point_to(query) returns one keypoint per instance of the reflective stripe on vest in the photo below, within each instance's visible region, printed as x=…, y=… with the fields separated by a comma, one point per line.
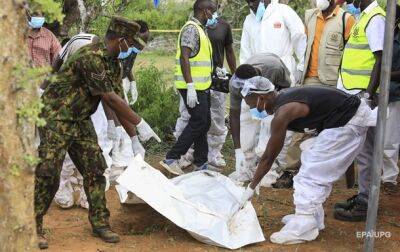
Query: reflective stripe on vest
x=358, y=59
x=200, y=65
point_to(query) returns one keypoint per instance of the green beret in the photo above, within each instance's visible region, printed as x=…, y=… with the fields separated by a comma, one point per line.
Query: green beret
x=124, y=27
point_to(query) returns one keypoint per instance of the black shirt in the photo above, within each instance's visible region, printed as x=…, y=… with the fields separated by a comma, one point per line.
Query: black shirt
x=329, y=107
x=220, y=37
x=394, y=91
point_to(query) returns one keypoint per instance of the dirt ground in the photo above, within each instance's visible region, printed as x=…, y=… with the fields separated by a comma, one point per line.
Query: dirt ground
x=143, y=229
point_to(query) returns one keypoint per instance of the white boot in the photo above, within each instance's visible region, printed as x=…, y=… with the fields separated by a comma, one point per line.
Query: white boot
x=298, y=229
x=270, y=178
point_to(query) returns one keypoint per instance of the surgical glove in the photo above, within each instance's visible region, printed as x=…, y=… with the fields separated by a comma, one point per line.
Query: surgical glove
x=126, y=84
x=246, y=196
x=137, y=146
x=146, y=132
x=221, y=72
x=111, y=130
x=134, y=92
x=298, y=76
x=240, y=159
x=191, y=96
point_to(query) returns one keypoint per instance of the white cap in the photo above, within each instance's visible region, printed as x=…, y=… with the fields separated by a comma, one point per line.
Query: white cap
x=257, y=85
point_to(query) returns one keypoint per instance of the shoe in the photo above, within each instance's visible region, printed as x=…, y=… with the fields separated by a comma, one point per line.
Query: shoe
x=356, y=212
x=204, y=166
x=270, y=178
x=172, y=166
x=42, y=241
x=298, y=229
x=285, y=181
x=389, y=188
x=106, y=235
x=349, y=203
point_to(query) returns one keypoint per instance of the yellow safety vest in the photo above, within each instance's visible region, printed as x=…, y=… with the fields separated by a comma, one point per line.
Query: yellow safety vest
x=358, y=59
x=200, y=65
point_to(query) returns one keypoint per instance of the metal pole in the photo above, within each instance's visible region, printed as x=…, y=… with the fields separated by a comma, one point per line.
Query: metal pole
x=381, y=126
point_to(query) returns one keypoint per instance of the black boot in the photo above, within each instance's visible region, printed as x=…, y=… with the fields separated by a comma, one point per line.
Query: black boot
x=285, y=181
x=349, y=203
x=356, y=211
x=106, y=235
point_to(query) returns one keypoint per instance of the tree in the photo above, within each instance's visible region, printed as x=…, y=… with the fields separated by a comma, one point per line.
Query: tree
x=16, y=137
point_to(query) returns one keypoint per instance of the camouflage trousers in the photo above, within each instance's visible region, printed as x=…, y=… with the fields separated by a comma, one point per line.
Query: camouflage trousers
x=80, y=141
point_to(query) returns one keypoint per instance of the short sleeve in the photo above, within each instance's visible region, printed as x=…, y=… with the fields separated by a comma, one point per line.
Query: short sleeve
x=94, y=74
x=235, y=98
x=189, y=37
x=375, y=33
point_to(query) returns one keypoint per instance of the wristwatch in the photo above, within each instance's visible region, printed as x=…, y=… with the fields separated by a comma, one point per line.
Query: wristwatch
x=366, y=95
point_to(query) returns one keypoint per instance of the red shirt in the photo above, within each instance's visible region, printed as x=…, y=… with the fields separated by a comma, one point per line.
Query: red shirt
x=43, y=47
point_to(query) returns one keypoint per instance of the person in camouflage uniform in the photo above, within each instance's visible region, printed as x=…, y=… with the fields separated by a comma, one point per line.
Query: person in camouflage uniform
x=91, y=75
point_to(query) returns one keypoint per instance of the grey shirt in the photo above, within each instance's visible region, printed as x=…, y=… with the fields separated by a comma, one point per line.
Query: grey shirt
x=190, y=37
x=271, y=67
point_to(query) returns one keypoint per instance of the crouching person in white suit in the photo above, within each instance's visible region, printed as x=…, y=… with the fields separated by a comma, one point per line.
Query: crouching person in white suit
x=342, y=121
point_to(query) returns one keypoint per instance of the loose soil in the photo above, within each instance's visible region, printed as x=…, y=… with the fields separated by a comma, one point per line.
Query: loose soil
x=143, y=229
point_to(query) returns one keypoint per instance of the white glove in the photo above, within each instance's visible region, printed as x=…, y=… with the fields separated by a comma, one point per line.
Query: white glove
x=240, y=159
x=134, y=92
x=146, y=132
x=298, y=76
x=137, y=147
x=191, y=96
x=246, y=196
x=126, y=84
x=221, y=72
x=111, y=130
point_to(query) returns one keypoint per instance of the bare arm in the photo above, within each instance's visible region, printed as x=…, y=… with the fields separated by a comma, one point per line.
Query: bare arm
x=234, y=121
x=230, y=58
x=185, y=65
x=376, y=74
x=282, y=118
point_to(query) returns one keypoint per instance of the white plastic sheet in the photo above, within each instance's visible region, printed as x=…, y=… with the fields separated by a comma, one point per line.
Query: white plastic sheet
x=204, y=203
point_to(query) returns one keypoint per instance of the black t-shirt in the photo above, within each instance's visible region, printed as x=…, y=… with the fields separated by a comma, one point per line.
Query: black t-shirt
x=220, y=36
x=329, y=107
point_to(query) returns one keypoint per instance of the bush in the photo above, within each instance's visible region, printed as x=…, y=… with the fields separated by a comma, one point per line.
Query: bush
x=158, y=102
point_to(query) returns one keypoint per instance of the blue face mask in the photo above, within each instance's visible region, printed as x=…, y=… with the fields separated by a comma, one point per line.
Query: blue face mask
x=36, y=22
x=257, y=115
x=213, y=20
x=124, y=55
x=260, y=11
x=353, y=10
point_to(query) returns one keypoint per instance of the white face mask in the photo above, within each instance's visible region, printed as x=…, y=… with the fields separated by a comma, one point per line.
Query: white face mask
x=323, y=4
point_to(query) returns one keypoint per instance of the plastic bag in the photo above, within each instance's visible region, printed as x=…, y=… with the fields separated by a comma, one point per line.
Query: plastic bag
x=204, y=203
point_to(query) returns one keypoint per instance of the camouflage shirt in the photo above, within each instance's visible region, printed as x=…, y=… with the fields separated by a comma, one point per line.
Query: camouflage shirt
x=73, y=94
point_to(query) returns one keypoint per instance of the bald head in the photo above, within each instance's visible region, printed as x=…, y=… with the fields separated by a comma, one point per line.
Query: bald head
x=201, y=5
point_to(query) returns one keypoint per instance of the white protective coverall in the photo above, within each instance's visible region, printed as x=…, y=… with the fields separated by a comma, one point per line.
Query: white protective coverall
x=216, y=134
x=321, y=165
x=280, y=32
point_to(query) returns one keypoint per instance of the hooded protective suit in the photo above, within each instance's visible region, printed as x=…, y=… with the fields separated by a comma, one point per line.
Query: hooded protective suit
x=280, y=31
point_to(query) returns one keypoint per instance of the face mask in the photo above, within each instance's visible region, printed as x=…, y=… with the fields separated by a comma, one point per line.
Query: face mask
x=124, y=55
x=353, y=10
x=257, y=115
x=260, y=11
x=213, y=21
x=36, y=22
x=323, y=4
